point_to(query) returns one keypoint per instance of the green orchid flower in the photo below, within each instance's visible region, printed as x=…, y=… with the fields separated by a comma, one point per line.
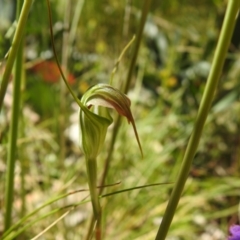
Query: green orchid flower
x=94, y=123
x=93, y=132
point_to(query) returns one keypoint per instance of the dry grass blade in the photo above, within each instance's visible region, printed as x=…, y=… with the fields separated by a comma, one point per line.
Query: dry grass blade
x=51, y=225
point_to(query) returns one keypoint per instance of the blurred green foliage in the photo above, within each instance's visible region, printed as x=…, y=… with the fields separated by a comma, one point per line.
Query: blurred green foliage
x=172, y=67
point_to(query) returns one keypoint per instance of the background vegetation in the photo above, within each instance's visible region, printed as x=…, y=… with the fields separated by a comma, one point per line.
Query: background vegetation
x=169, y=79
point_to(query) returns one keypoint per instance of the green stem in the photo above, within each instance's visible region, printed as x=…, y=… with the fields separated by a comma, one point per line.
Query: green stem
x=74, y=25
x=14, y=48
x=145, y=10
x=58, y=63
x=218, y=60
x=12, y=144
x=105, y=171
x=91, y=165
x=110, y=152
x=62, y=95
x=119, y=59
x=21, y=71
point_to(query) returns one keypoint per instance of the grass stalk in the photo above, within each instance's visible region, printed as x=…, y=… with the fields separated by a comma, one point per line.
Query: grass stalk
x=23, y=156
x=49, y=202
x=214, y=75
x=23, y=162
x=12, y=144
x=14, y=48
x=26, y=223
x=145, y=10
x=68, y=40
x=62, y=95
x=22, y=153
x=74, y=25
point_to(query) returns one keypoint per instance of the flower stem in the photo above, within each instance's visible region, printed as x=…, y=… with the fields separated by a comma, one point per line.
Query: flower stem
x=218, y=60
x=12, y=144
x=91, y=165
x=57, y=61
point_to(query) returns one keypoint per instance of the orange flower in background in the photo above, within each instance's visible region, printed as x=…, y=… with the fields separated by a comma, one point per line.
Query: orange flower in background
x=49, y=72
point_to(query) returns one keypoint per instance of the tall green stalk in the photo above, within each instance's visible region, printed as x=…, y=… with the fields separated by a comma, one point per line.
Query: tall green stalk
x=14, y=48
x=218, y=61
x=91, y=165
x=62, y=95
x=145, y=10
x=12, y=144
